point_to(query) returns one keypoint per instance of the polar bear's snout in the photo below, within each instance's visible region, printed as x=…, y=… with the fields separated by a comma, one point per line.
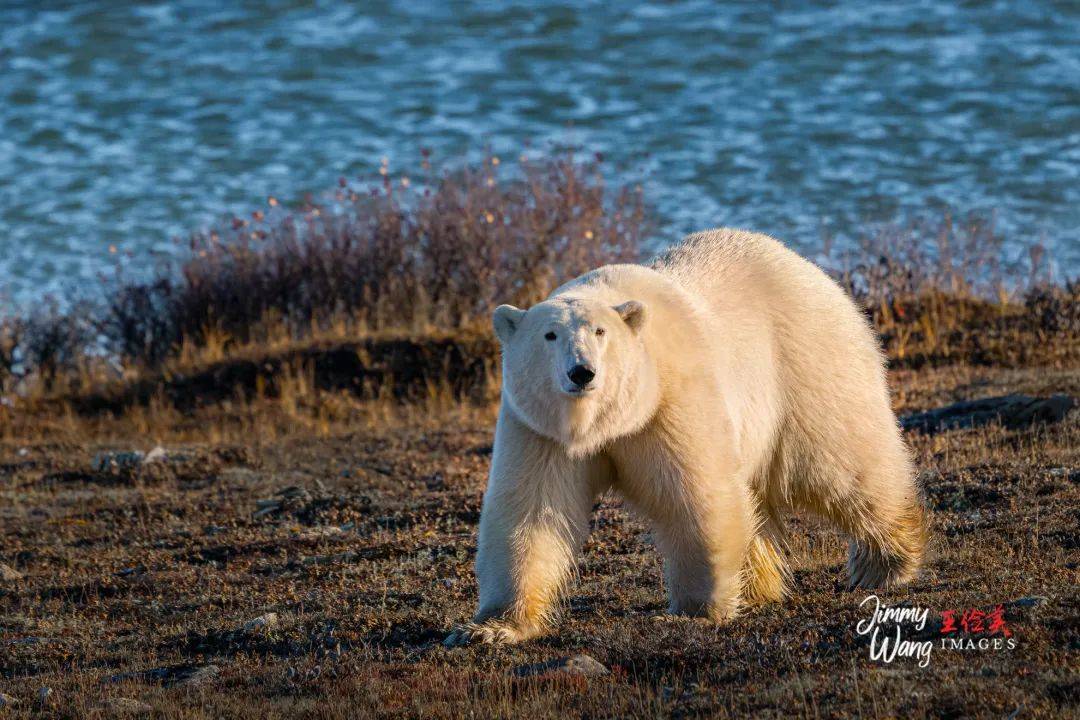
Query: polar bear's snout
x=578, y=369
x=581, y=375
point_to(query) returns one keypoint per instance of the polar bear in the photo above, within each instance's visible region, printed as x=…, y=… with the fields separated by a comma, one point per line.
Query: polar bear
x=722, y=385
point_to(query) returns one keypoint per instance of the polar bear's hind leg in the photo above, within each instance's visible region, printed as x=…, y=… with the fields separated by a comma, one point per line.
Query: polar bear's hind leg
x=766, y=576
x=891, y=554
x=882, y=512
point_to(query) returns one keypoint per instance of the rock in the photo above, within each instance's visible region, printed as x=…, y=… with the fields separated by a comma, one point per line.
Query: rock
x=28, y=640
x=124, y=460
x=266, y=507
x=123, y=707
x=581, y=665
x=44, y=695
x=9, y=574
x=1070, y=474
x=268, y=620
x=7, y=701
x=295, y=491
x=292, y=496
x=115, y=460
x=1012, y=411
x=171, y=675
x=1025, y=608
x=197, y=675
x=1030, y=601
x=158, y=454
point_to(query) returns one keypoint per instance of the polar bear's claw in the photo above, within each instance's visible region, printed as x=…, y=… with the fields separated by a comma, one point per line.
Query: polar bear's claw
x=488, y=633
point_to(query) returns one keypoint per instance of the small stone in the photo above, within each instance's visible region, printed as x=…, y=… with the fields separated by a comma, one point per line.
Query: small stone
x=1030, y=601
x=267, y=506
x=158, y=454
x=123, y=707
x=323, y=531
x=1012, y=411
x=7, y=700
x=116, y=460
x=9, y=574
x=197, y=675
x=268, y=620
x=581, y=665
x=28, y=640
x=1070, y=474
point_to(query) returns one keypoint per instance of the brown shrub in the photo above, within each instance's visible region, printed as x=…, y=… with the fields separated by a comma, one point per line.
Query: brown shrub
x=437, y=253
x=942, y=291
x=52, y=344
x=11, y=337
x=968, y=258
x=420, y=261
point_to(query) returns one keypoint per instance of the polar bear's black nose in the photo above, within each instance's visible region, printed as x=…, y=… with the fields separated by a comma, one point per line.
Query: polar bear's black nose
x=581, y=375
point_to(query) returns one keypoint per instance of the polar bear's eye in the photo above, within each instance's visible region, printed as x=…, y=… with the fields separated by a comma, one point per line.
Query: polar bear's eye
x=550, y=336
x=600, y=332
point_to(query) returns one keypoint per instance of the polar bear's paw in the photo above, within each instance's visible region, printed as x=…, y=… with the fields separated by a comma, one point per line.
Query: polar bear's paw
x=489, y=632
x=715, y=611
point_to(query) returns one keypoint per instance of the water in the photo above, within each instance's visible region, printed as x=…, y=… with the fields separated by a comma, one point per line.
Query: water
x=127, y=124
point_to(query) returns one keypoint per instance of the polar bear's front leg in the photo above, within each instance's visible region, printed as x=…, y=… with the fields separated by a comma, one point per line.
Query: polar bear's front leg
x=702, y=566
x=687, y=487
x=534, y=519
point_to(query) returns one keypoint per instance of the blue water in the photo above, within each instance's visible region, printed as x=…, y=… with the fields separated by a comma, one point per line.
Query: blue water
x=127, y=124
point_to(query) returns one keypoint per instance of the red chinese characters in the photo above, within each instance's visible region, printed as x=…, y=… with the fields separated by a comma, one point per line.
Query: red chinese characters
x=997, y=624
x=975, y=622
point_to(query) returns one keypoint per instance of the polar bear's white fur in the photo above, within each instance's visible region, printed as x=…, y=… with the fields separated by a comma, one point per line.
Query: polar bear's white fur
x=726, y=383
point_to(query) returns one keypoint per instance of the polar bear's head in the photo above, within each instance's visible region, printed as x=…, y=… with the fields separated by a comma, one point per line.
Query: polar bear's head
x=572, y=367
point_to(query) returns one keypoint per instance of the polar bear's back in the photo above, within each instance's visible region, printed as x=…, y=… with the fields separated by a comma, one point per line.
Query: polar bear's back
x=825, y=368
x=740, y=273
x=728, y=259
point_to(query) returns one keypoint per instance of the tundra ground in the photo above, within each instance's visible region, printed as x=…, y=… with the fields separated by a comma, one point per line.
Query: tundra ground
x=355, y=545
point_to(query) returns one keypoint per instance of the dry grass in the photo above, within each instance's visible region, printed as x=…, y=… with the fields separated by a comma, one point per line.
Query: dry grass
x=369, y=563
x=364, y=551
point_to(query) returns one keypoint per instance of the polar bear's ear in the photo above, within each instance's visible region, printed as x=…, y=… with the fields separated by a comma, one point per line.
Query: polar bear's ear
x=633, y=314
x=506, y=319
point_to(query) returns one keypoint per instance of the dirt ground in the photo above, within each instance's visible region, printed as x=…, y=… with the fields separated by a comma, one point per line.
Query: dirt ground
x=317, y=576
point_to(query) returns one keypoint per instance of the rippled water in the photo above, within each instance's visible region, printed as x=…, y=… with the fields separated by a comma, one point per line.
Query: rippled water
x=128, y=123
